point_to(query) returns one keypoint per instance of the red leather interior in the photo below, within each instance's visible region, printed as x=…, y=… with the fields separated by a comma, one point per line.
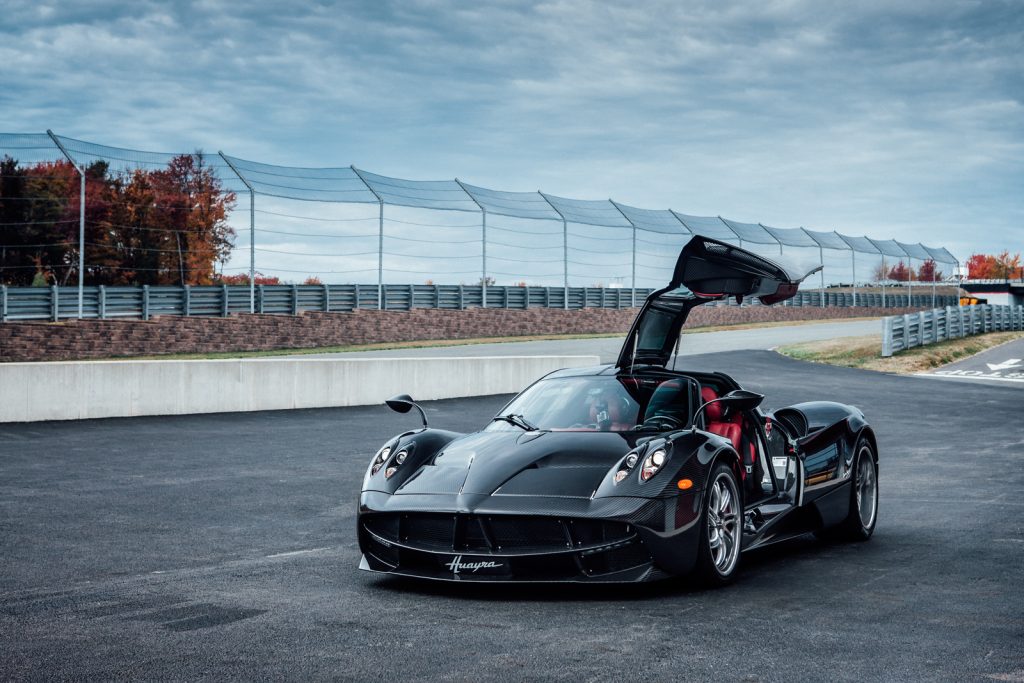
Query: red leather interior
x=718, y=423
x=731, y=427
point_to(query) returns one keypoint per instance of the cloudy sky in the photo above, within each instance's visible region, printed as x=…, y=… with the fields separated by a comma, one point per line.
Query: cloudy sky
x=892, y=119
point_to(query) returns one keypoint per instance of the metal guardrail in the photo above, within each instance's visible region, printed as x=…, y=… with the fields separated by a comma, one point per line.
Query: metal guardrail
x=61, y=303
x=901, y=332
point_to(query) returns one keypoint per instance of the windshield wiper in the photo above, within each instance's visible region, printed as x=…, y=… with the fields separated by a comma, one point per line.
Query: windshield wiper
x=517, y=420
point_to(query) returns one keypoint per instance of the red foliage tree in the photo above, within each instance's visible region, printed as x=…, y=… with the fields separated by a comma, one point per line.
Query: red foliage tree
x=981, y=267
x=899, y=272
x=928, y=273
x=1003, y=266
x=1007, y=265
x=243, y=279
x=165, y=226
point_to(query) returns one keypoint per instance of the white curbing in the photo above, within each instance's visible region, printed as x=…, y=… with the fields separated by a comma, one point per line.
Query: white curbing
x=75, y=390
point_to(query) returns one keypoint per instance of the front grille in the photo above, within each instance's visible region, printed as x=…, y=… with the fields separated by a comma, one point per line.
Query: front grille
x=495, y=534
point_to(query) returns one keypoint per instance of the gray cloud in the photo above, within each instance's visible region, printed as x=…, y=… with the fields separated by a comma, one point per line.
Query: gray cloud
x=901, y=121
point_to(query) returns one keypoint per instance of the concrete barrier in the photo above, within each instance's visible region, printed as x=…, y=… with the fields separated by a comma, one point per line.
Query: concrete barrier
x=75, y=390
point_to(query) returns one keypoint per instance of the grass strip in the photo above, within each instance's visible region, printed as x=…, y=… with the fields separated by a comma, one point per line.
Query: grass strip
x=866, y=352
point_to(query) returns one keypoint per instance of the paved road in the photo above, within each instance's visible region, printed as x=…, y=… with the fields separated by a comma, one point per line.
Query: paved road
x=223, y=547
x=1003, y=365
x=608, y=348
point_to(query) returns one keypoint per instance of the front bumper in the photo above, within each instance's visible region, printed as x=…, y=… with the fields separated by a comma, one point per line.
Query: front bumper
x=541, y=539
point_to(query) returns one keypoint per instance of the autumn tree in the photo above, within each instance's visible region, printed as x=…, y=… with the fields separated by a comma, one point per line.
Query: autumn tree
x=163, y=226
x=1007, y=266
x=38, y=222
x=981, y=267
x=243, y=279
x=928, y=272
x=1003, y=266
x=899, y=272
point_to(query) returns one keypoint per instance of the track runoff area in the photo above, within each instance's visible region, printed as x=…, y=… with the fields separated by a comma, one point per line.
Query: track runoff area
x=223, y=547
x=1003, y=364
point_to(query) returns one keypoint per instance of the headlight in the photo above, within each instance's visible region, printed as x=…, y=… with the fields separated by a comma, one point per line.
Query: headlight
x=627, y=465
x=399, y=459
x=381, y=456
x=652, y=463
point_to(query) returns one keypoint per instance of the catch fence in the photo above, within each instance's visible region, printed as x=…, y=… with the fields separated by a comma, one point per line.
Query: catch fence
x=348, y=225
x=903, y=332
x=143, y=302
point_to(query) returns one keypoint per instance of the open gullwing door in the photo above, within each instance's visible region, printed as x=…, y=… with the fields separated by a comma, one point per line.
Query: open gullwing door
x=706, y=270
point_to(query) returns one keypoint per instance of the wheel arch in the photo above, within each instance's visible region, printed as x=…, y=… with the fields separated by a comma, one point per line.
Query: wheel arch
x=867, y=433
x=728, y=456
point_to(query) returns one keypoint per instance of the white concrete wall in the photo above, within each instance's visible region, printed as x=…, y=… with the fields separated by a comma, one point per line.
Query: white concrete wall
x=75, y=390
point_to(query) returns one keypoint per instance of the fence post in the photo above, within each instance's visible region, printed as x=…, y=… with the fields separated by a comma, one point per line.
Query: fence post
x=145, y=302
x=187, y=303
x=3, y=303
x=887, y=336
x=412, y=295
x=327, y=298
x=462, y=297
x=252, y=232
x=437, y=296
x=81, y=216
x=295, y=299
x=262, y=298
x=526, y=297
x=101, y=302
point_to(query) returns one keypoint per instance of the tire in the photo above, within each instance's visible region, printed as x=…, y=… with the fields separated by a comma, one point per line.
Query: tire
x=721, y=529
x=860, y=522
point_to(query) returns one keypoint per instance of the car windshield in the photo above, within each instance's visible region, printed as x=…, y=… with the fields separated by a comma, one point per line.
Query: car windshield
x=607, y=404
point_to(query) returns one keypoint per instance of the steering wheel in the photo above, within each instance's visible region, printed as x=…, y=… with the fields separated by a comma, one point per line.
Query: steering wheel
x=665, y=422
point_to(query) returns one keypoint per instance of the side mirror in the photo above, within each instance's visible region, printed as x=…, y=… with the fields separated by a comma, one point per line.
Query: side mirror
x=403, y=403
x=738, y=399
x=741, y=399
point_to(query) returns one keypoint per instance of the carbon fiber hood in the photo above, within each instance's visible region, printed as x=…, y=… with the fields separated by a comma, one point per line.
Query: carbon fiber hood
x=568, y=464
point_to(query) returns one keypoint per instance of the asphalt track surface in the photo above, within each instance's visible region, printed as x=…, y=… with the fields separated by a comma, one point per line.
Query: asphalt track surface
x=608, y=347
x=223, y=547
x=1001, y=365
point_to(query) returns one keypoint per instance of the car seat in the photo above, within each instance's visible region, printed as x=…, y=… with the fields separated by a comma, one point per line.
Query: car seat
x=718, y=423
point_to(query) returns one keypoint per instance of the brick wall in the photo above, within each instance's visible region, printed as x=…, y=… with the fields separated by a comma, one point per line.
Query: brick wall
x=33, y=341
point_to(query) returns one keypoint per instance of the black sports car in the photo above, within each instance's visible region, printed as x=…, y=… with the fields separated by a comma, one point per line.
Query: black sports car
x=624, y=473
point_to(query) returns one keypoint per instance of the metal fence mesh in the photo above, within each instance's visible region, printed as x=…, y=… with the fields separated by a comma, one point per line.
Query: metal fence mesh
x=348, y=225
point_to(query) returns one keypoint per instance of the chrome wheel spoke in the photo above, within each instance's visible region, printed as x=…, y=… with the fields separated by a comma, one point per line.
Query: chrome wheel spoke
x=723, y=526
x=866, y=489
x=725, y=500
